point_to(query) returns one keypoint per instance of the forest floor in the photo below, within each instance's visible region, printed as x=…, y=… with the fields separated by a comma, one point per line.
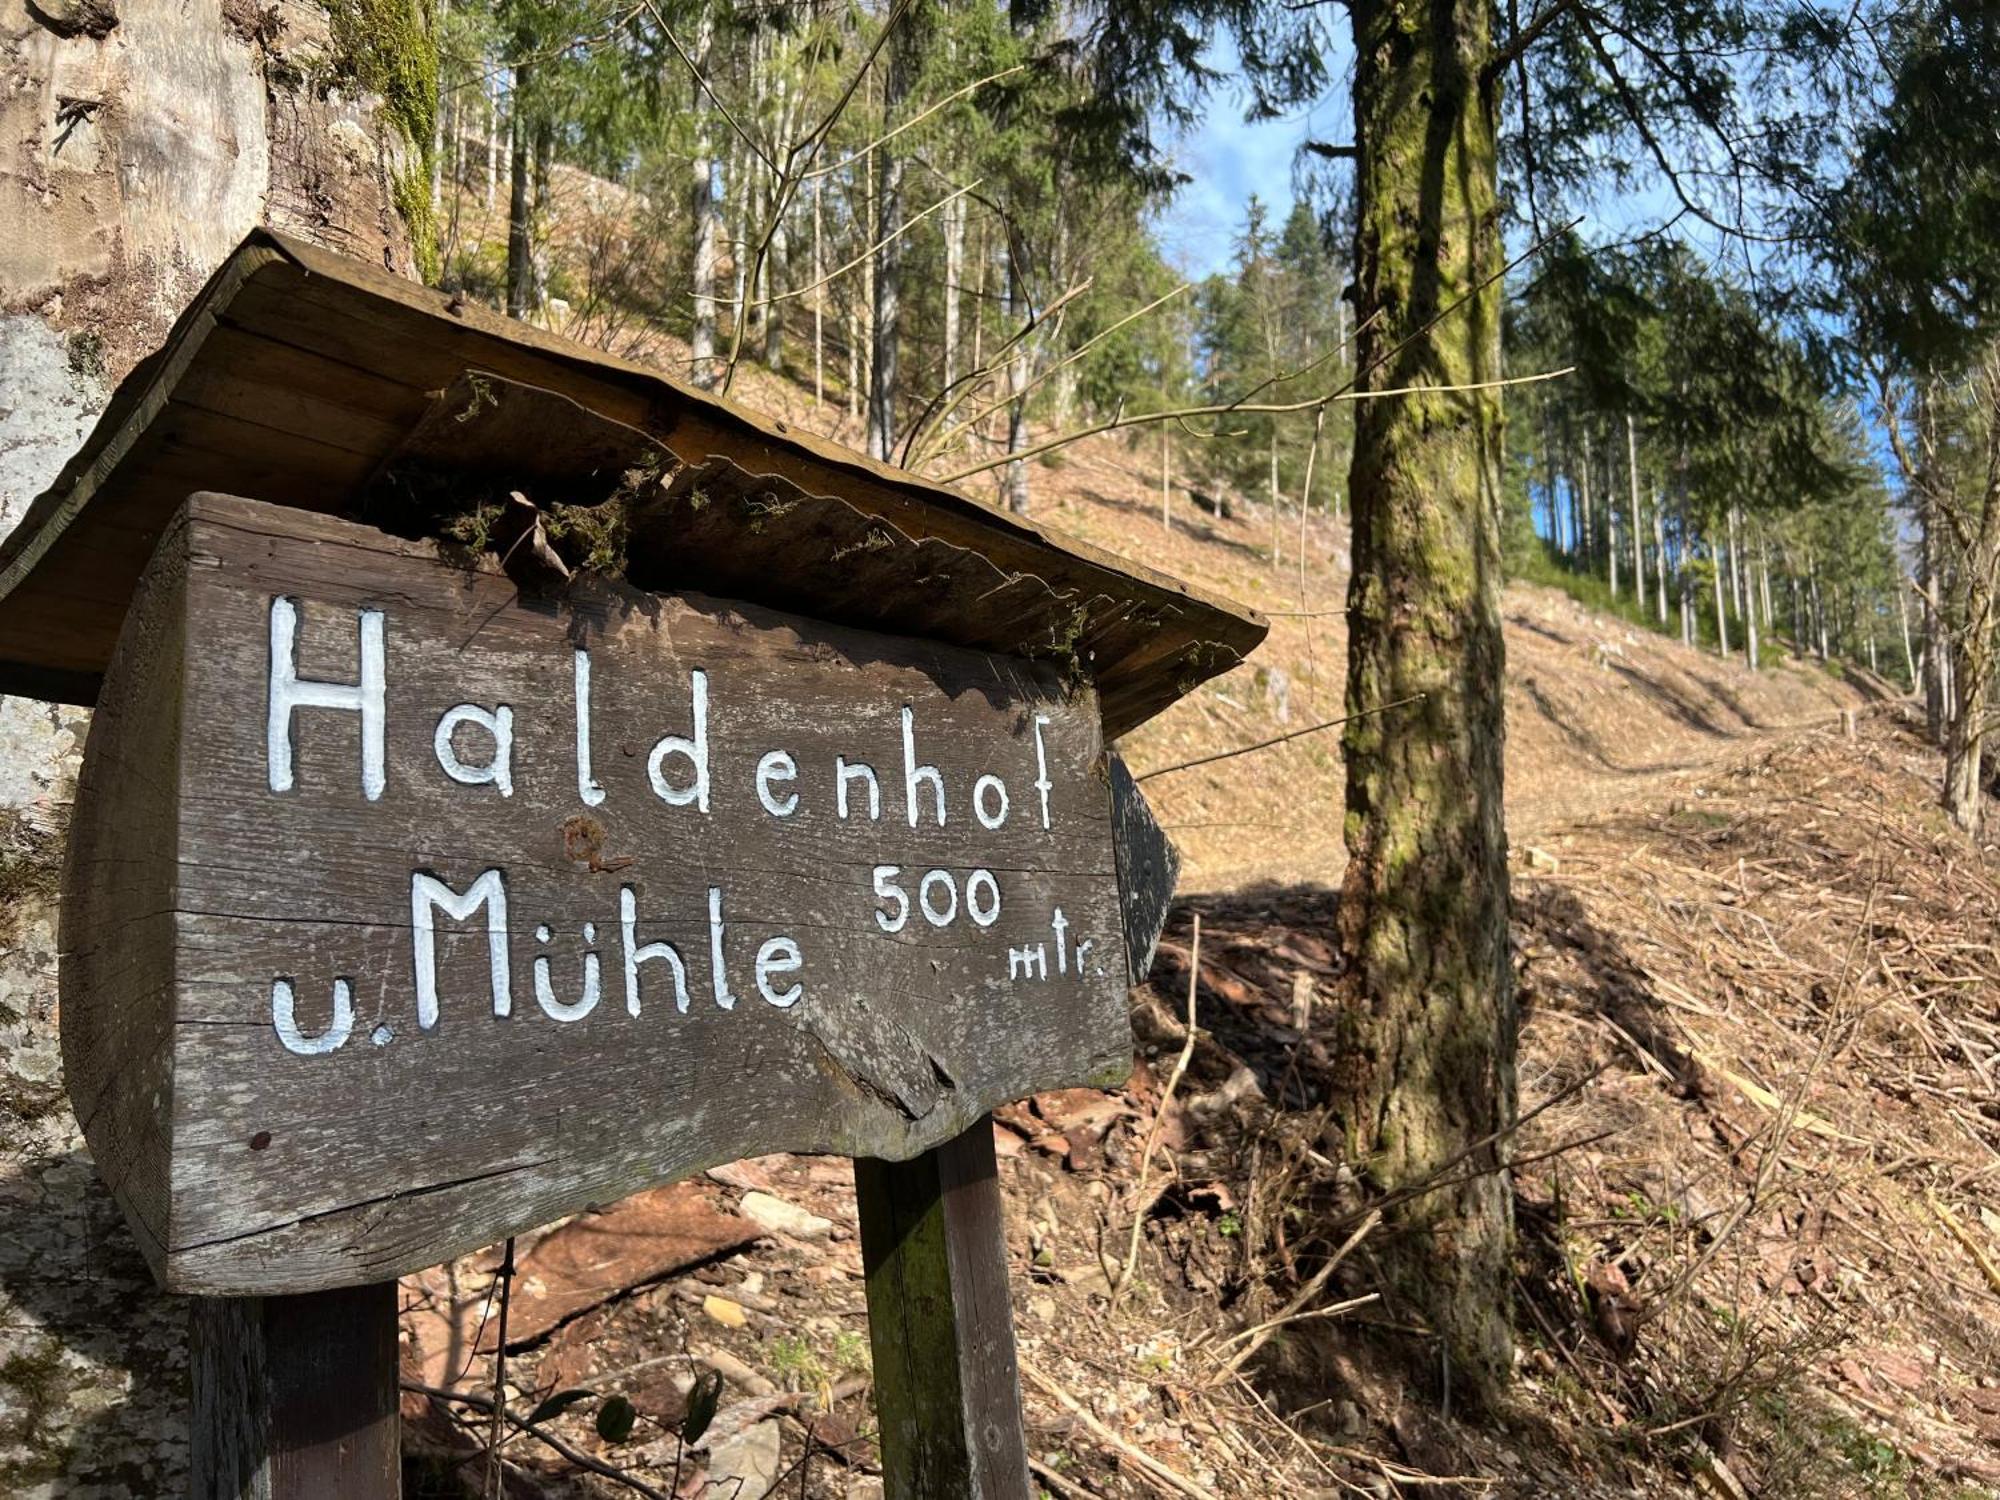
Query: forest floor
x=1760, y=1024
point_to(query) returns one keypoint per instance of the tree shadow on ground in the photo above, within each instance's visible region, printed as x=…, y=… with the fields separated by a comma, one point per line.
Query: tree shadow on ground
x=1252, y=1103
x=1201, y=530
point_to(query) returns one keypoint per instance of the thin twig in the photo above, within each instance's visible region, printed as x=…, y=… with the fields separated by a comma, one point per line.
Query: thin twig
x=1260, y=1335
x=1203, y=760
x=1160, y=1119
x=944, y=439
x=1144, y=1461
x=914, y=120
x=893, y=235
x=542, y=1435
x=494, y=1488
x=1266, y=408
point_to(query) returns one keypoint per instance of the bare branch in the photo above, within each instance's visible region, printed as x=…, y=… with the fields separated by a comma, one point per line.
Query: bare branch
x=1517, y=46
x=940, y=407
x=944, y=439
x=1203, y=760
x=707, y=88
x=1271, y=408
x=895, y=234
x=914, y=120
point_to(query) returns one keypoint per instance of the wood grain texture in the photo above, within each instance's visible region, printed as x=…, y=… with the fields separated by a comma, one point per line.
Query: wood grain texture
x=940, y=1322
x=1148, y=869
x=295, y=1398
x=298, y=374
x=259, y=1169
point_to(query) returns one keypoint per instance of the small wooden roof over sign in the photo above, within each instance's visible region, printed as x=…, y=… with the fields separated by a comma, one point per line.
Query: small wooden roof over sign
x=309, y=379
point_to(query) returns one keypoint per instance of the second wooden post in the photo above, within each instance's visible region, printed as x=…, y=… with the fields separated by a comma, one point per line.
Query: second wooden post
x=947, y=1388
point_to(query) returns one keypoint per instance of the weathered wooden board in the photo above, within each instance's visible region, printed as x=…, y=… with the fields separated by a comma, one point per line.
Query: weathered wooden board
x=348, y=991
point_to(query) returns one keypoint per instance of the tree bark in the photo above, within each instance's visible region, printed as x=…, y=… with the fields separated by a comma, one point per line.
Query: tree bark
x=1426, y=1015
x=1972, y=643
x=1721, y=607
x=707, y=219
x=520, y=230
x=1638, y=520
x=1660, y=556
x=1017, y=388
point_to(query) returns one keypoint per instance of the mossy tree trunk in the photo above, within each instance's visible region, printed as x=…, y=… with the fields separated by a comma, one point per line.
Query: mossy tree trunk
x=1427, y=1013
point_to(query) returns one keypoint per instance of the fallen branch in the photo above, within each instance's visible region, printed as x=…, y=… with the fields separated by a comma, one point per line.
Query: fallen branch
x=1261, y=1333
x=1160, y=1119
x=1147, y=1465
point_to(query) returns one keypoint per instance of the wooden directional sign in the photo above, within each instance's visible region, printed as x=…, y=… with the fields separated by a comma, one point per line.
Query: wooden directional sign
x=404, y=914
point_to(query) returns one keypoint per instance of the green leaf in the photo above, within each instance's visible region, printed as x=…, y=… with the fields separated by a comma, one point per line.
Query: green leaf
x=615, y=1418
x=560, y=1402
x=701, y=1406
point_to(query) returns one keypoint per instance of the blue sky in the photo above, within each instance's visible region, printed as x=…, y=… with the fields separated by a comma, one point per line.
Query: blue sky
x=1227, y=160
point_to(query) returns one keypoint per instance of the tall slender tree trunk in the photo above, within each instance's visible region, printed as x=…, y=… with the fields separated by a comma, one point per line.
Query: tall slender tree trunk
x=1973, y=641
x=889, y=254
x=1586, y=542
x=1638, y=522
x=1426, y=1028
x=1937, y=688
x=1903, y=621
x=1748, y=616
x=819, y=302
x=1764, y=577
x=1660, y=556
x=1816, y=607
x=1721, y=609
x=520, y=227
x=1017, y=390
x=704, y=214
x=1735, y=564
x=954, y=273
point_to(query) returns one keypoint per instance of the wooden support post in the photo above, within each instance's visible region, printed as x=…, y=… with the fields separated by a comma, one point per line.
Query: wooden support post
x=947, y=1389
x=295, y=1397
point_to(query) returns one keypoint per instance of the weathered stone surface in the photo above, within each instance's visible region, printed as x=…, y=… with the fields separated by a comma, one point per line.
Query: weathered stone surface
x=132, y=159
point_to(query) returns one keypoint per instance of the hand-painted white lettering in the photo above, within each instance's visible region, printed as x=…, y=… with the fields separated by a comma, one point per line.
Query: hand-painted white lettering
x=1061, y=925
x=1081, y=949
x=888, y=890
x=979, y=790
x=635, y=954
x=289, y=691
x=545, y=990
x=984, y=914
x=382, y=1035
x=843, y=771
x=718, y=973
x=779, y=955
x=429, y=895
x=497, y=722
x=587, y=788
x=1042, y=782
x=777, y=766
x=914, y=774
x=284, y=1019
x=938, y=880
x=542, y=932
x=694, y=748
x=1031, y=962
